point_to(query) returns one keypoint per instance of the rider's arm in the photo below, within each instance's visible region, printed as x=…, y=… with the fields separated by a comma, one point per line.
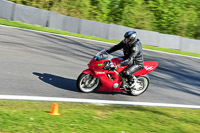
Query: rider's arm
x=134, y=52
x=115, y=47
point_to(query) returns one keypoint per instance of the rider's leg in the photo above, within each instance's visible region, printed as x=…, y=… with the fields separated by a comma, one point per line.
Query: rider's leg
x=130, y=70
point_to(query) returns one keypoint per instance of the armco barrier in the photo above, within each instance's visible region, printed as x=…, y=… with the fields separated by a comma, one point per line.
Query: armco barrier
x=6, y=9
x=190, y=45
x=169, y=41
x=30, y=15
x=72, y=24
x=56, y=21
x=148, y=37
x=116, y=32
x=93, y=28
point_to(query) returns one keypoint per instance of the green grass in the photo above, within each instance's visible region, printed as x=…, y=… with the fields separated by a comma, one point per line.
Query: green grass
x=172, y=51
x=45, y=29
x=29, y=116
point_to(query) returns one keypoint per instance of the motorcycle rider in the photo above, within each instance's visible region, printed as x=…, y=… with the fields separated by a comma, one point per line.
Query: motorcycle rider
x=133, y=56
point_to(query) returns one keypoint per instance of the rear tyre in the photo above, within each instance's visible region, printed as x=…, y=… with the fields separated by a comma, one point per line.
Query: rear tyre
x=87, y=83
x=140, y=87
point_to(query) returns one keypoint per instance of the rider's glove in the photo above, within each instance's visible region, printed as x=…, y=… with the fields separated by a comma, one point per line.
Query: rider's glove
x=115, y=67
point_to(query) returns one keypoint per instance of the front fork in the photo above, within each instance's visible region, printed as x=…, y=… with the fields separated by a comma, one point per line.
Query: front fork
x=88, y=71
x=92, y=82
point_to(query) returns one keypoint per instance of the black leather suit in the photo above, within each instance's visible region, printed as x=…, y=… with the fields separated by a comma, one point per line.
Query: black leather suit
x=133, y=57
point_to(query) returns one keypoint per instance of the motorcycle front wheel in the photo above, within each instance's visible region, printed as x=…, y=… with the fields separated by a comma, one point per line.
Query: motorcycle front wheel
x=140, y=87
x=87, y=83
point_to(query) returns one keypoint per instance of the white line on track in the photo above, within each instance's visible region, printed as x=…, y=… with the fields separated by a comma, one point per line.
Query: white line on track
x=94, y=41
x=94, y=101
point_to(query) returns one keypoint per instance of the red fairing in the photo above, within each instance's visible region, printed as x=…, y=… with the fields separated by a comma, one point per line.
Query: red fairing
x=93, y=65
x=147, y=68
x=88, y=71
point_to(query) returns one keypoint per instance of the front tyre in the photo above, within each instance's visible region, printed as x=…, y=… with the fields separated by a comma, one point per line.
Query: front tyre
x=140, y=87
x=87, y=83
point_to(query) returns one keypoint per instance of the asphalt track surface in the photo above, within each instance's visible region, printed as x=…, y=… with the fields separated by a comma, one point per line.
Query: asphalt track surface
x=42, y=64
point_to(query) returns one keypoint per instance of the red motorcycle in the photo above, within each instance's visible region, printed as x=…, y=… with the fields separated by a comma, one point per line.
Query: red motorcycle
x=103, y=75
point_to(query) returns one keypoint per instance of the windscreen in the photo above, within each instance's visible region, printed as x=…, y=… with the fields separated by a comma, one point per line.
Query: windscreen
x=103, y=55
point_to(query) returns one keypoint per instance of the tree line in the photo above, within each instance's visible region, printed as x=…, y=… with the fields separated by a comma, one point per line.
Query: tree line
x=177, y=17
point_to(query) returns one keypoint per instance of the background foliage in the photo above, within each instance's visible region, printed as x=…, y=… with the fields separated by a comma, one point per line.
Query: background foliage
x=178, y=17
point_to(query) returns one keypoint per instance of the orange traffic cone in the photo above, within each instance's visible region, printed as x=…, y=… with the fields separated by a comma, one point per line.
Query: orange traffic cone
x=54, y=109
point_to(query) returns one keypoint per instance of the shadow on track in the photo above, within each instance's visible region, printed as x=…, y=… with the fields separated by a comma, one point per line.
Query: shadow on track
x=66, y=83
x=57, y=81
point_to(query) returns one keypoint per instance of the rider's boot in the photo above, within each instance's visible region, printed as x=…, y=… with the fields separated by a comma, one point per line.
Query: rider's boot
x=132, y=80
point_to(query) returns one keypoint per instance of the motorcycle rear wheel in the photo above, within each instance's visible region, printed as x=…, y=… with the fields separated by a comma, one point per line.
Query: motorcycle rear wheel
x=83, y=83
x=143, y=83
